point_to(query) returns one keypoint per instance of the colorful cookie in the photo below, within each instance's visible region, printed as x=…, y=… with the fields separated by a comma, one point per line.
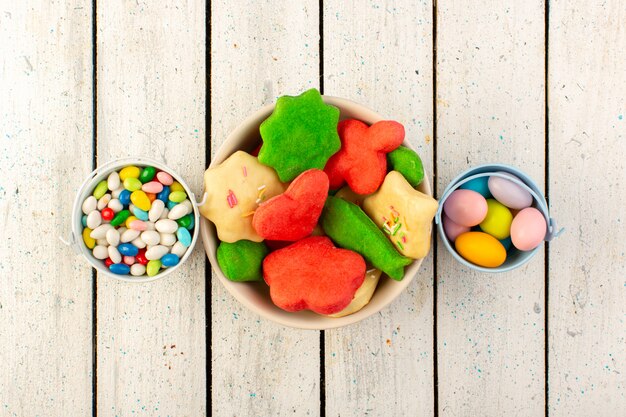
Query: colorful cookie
x=361, y=161
x=234, y=190
x=313, y=274
x=349, y=227
x=404, y=214
x=242, y=260
x=408, y=163
x=363, y=294
x=300, y=134
x=293, y=214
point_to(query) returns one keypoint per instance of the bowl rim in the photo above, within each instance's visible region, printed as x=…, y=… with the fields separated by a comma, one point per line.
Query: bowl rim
x=295, y=320
x=84, y=191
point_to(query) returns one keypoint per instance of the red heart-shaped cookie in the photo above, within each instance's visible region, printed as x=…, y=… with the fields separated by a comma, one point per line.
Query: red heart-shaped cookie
x=313, y=274
x=293, y=214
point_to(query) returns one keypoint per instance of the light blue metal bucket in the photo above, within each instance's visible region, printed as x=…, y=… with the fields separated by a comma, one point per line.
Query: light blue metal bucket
x=515, y=258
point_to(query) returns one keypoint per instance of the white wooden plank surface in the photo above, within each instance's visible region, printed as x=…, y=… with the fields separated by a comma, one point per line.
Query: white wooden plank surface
x=380, y=54
x=490, y=108
x=587, y=305
x=45, y=290
x=260, y=50
x=151, y=101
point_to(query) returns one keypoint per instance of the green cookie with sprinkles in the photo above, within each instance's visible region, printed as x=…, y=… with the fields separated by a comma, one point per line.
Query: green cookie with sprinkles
x=300, y=134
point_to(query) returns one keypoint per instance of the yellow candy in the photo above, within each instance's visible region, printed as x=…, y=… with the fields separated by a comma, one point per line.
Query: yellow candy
x=129, y=172
x=481, y=249
x=129, y=220
x=89, y=241
x=176, y=187
x=140, y=200
x=498, y=220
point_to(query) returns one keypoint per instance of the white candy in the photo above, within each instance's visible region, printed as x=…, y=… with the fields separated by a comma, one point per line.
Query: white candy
x=102, y=242
x=113, y=237
x=188, y=204
x=116, y=193
x=115, y=255
x=100, y=232
x=115, y=205
x=139, y=243
x=100, y=252
x=155, y=210
x=151, y=237
x=104, y=200
x=167, y=239
x=150, y=226
x=137, y=270
x=113, y=182
x=179, y=249
x=121, y=230
x=156, y=252
x=94, y=219
x=166, y=226
x=164, y=214
x=129, y=235
x=178, y=211
x=89, y=204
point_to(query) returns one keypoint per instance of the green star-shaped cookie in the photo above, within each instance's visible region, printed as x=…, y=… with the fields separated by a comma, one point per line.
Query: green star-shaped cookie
x=300, y=134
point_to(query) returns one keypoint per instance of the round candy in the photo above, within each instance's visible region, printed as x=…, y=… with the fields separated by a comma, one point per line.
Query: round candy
x=177, y=196
x=147, y=174
x=120, y=217
x=100, y=189
x=183, y=236
x=480, y=185
x=153, y=267
x=481, y=249
x=107, y=214
x=128, y=249
x=165, y=178
x=129, y=172
x=452, y=229
x=508, y=193
x=465, y=207
x=124, y=197
x=132, y=184
x=170, y=260
x=528, y=229
x=120, y=269
x=498, y=220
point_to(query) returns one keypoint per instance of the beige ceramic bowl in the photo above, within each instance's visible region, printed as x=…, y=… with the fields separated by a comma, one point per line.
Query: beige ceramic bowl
x=255, y=295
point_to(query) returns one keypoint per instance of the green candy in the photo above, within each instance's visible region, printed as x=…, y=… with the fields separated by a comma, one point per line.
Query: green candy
x=101, y=189
x=408, y=163
x=147, y=174
x=120, y=218
x=349, y=227
x=242, y=260
x=178, y=196
x=300, y=134
x=153, y=267
x=132, y=184
x=185, y=221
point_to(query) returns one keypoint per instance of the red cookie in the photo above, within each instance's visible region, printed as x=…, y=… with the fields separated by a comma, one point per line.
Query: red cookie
x=293, y=214
x=313, y=274
x=361, y=161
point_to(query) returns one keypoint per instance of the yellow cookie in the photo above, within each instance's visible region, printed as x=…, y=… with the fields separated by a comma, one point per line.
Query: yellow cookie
x=404, y=214
x=363, y=295
x=234, y=190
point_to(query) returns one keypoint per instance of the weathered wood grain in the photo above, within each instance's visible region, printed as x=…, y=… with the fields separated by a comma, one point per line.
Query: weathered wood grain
x=259, y=51
x=45, y=289
x=587, y=304
x=380, y=55
x=151, y=102
x=490, y=108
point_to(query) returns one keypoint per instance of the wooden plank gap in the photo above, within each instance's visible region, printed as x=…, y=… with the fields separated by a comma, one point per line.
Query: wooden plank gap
x=546, y=247
x=94, y=164
x=434, y=237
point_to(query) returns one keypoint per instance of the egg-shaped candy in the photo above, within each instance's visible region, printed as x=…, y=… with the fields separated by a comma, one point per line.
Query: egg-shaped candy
x=509, y=193
x=498, y=220
x=528, y=229
x=465, y=207
x=452, y=229
x=480, y=185
x=481, y=249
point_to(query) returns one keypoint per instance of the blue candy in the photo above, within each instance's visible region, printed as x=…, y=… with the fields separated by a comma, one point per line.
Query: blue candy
x=170, y=259
x=119, y=269
x=164, y=195
x=171, y=204
x=140, y=214
x=128, y=249
x=183, y=236
x=479, y=185
x=84, y=220
x=124, y=197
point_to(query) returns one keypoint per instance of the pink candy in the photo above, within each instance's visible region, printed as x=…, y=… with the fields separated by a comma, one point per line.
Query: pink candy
x=153, y=187
x=164, y=178
x=129, y=260
x=138, y=225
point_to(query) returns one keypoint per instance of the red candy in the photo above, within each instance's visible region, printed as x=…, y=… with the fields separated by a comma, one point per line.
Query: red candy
x=141, y=257
x=361, y=161
x=107, y=214
x=313, y=274
x=108, y=262
x=293, y=214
